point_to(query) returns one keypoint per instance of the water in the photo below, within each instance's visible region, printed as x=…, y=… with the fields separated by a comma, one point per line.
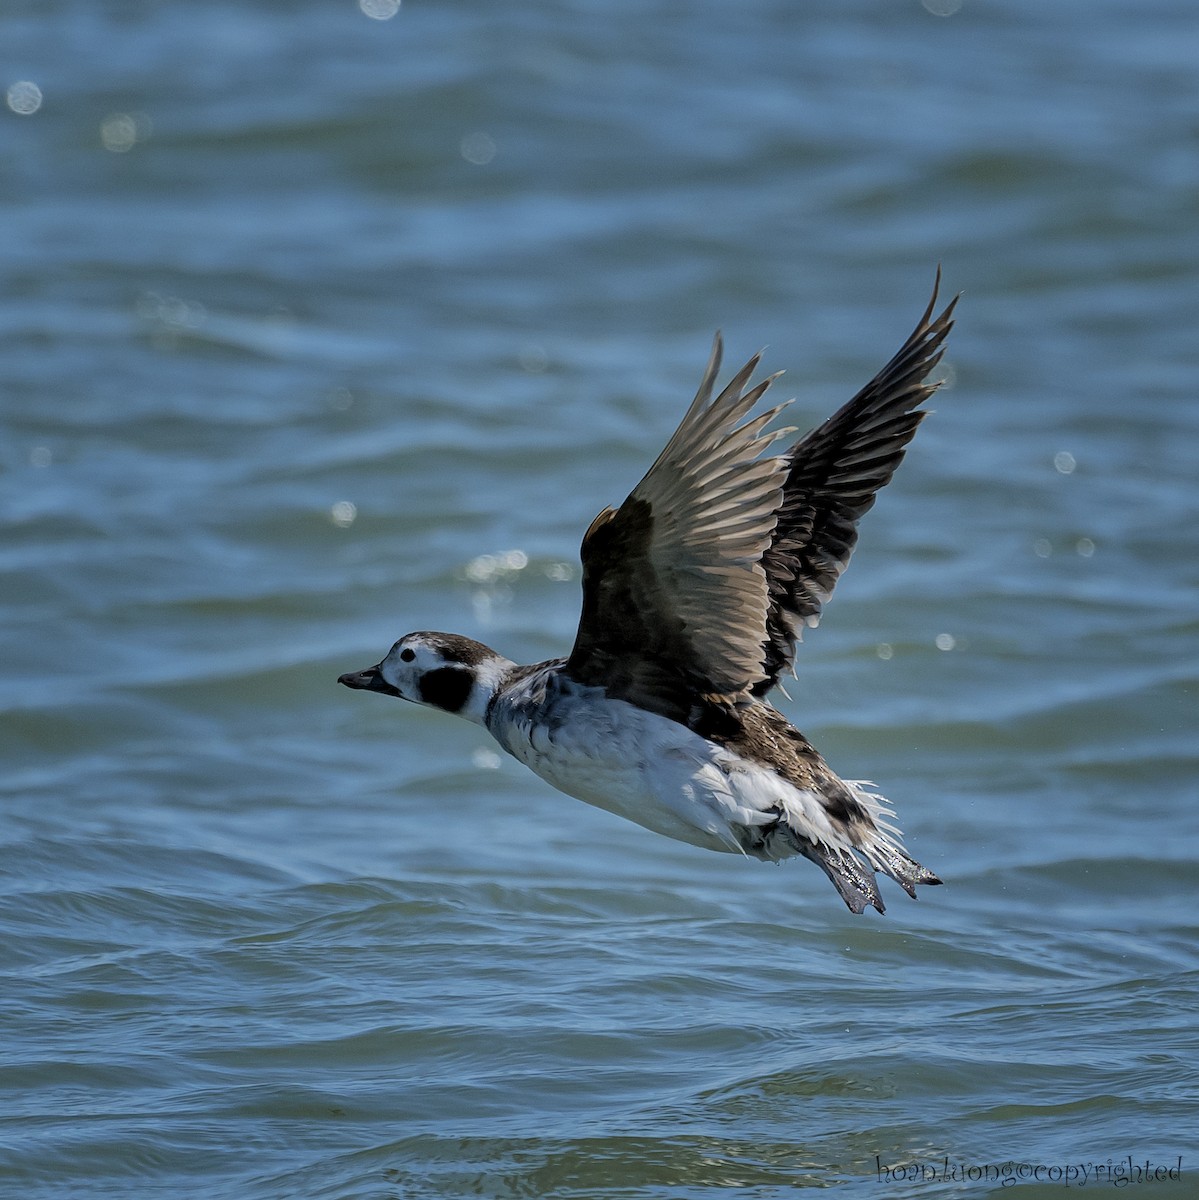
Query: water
x=310, y=320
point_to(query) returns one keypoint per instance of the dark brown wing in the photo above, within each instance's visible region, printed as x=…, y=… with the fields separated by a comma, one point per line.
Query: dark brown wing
x=674, y=594
x=835, y=473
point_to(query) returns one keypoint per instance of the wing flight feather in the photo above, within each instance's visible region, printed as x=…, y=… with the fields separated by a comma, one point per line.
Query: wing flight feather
x=835, y=474
x=674, y=594
x=697, y=588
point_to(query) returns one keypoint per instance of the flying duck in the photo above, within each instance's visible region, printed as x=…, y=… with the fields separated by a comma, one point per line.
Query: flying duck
x=695, y=593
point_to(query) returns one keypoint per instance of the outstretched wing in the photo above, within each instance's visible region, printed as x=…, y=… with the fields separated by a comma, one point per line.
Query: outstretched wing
x=674, y=594
x=835, y=473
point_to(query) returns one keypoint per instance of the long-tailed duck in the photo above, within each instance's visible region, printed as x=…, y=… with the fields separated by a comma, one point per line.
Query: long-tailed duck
x=695, y=592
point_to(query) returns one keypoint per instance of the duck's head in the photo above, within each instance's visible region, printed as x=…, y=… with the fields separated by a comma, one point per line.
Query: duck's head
x=442, y=670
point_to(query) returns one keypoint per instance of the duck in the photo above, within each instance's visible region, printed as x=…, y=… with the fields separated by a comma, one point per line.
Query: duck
x=696, y=592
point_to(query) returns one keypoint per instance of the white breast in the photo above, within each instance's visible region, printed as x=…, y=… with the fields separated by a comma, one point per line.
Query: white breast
x=633, y=763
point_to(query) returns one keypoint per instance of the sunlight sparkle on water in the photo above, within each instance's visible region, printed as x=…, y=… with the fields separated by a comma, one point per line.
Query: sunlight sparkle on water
x=343, y=513
x=120, y=132
x=488, y=568
x=171, y=312
x=492, y=575
x=380, y=10
x=24, y=97
x=477, y=148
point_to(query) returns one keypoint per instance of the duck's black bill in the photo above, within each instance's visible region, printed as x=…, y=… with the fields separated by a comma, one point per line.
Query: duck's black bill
x=370, y=680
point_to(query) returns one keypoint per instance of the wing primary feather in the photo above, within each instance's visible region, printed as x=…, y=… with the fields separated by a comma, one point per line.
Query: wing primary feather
x=835, y=474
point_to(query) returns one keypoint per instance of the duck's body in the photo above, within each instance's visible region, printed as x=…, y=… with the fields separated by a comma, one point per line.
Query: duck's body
x=694, y=593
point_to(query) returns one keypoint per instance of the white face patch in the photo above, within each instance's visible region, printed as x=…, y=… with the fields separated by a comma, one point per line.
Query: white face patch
x=445, y=671
x=409, y=659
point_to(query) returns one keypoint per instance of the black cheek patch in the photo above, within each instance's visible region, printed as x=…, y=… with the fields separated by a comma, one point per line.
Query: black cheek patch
x=447, y=688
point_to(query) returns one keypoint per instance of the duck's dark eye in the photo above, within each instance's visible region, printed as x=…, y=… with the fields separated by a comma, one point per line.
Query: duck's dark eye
x=407, y=654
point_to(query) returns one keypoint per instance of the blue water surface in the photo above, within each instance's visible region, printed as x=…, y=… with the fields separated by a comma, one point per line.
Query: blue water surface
x=322, y=322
